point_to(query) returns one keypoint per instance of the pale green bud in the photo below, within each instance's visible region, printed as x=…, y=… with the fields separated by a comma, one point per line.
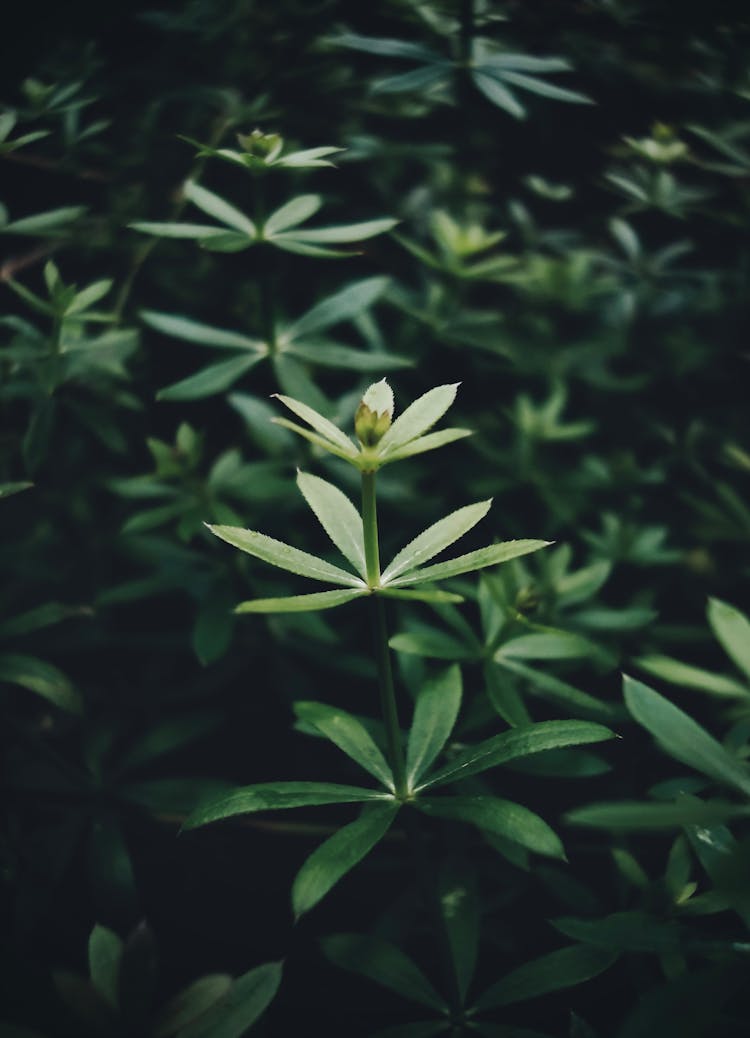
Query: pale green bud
x=374, y=414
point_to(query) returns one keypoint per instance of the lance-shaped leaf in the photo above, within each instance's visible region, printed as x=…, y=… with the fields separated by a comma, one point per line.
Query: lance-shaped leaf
x=421, y=595
x=637, y=816
x=345, y=304
x=278, y=796
x=384, y=963
x=386, y=47
x=502, y=817
x=243, y=1003
x=338, y=517
x=339, y=854
x=186, y=328
x=435, y=714
x=490, y=85
x=320, y=424
x=332, y=355
x=552, y=972
x=516, y=743
x=419, y=417
x=544, y=89
x=294, y=212
x=300, y=603
x=347, y=232
x=684, y=738
x=435, y=539
x=493, y=555
x=284, y=556
x=732, y=629
x=200, y=231
x=688, y=676
x=208, y=381
x=43, y=678
x=350, y=735
x=222, y=211
x=422, y=444
x=459, y=908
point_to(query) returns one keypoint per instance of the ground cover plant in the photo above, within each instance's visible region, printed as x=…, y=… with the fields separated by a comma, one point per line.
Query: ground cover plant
x=273, y=772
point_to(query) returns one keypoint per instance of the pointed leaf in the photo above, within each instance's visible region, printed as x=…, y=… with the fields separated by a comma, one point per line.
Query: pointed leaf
x=732, y=629
x=547, y=686
x=45, y=223
x=342, y=306
x=422, y=444
x=209, y=381
x=346, y=232
x=459, y=907
x=293, y=212
x=435, y=539
x=331, y=355
x=245, y=1001
x=385, y=47
x=417, y=79
x=313, y=438
x=300, y=603
x=419, y=416
x=105, y=954
x=200, y=231
x=327, y=429
x=501, y=817
x=493, y=555
x=435, y=714
x=524, y=63
x=559, y=969
x=545, y=645
x=637, y=816
x=186, y=328
x=495, y=92
x=349, y=734
x=423, y=595
x=688, y=676
x=215, y=206
x=40, y=677
x=284, y=555
x=384, y=963
x=516, y=743
x=432, y=643
x=544, y=89
x=338, y=517
x=339, y=854
x=684, y=738
x=188, y=1004
x=278, y=796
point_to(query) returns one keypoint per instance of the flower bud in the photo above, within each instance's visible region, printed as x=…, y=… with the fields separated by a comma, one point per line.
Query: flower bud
x=260, y=145
x=374, y=414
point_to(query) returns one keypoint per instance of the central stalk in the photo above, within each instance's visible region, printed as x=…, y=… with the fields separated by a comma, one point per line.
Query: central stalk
x=380, y=637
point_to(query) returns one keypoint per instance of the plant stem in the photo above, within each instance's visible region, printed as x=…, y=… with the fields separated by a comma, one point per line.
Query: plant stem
x=380, y=636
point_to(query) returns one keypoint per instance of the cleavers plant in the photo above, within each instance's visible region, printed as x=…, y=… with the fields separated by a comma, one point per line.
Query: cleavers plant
x=414, y=777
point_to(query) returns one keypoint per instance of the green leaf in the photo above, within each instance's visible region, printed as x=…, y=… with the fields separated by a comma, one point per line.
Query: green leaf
x=188, y=1004
x=215, y=206
x=350, y=735
x=547, y=686
x=622, y=931
x=88, y=296
x=327, y=429
x=423, y=444
x=345, y=304
x=105, y=954
x=559, y=969
x=278, y=796
x=338, y=517
x=41, y=677
x=435, y=714
x=524, y=63
x=732, y=629
x=493, y=555
x=300, y=603
x=516, y=743
x=502, y=817
x=417, y=79
x=8, y=489
x=186, y=328
x=433, y=644
x=293, y=212
x=284, y=555
x=385, y=47
x=339, y=854
x=200, y=231
x=547, y=645
x=494, y=91
x=434, y=539
x=459, y=908
x=544, y=89
x=45, y=223
x=418, y=417
x=346, y=232
x=331, y=355
x=209, y=381
x=684, y=738
x=247, y=998
x=636, y=816
x=688, y=676
x=384, y=963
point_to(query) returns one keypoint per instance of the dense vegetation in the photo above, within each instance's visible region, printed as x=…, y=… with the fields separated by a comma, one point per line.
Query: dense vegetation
x=221, y=222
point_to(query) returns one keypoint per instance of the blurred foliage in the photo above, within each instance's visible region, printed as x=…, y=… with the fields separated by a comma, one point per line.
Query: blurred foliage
x=561, y=226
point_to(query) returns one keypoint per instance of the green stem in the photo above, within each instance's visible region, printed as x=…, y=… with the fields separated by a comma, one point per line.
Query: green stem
x=380, y=636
